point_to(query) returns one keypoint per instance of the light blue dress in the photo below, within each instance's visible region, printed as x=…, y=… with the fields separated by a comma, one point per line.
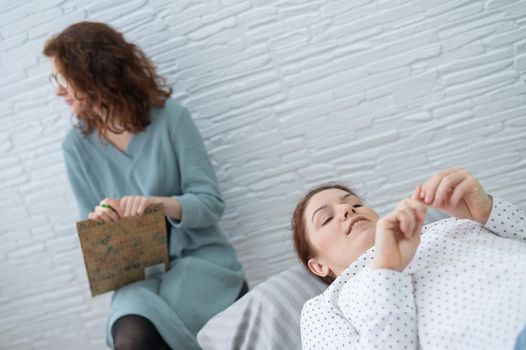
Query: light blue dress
x=167, y=159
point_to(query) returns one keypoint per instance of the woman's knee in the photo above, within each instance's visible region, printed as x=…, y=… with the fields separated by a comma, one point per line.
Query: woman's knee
x=133, y=332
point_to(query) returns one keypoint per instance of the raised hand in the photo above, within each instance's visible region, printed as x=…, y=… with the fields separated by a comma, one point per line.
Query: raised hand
x=398, y=234
x=458, y=193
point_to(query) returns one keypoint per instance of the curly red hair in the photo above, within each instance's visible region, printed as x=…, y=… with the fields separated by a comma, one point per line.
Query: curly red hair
x=117, y=80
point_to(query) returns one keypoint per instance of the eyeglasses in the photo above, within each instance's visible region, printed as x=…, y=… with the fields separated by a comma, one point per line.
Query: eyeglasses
x=57, y=80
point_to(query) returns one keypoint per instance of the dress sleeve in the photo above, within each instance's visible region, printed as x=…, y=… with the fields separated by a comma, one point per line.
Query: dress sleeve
x=201, y=202
x=85, y=200
x=507, y=220
x=380, y=305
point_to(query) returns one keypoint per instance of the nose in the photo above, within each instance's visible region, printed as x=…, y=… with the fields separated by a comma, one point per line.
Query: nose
x=348, y=210
x=60, y=91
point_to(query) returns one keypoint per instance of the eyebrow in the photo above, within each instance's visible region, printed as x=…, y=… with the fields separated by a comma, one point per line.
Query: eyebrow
x=342, y=198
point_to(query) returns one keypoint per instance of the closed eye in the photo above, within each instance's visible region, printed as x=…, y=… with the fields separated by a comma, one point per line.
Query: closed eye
x=357, y=206
x=327, y=221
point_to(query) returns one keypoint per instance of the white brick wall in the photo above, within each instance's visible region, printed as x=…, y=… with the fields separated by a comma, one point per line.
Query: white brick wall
x=287, y=94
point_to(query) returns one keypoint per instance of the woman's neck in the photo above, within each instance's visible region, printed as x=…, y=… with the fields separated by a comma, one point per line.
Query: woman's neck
x=120, y=141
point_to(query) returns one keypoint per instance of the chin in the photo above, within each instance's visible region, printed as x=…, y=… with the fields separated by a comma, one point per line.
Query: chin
x=370, y=230
x=74, y=110
x=366, y=236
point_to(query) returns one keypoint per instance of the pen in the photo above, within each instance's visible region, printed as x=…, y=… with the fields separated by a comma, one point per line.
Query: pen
x=107, y=206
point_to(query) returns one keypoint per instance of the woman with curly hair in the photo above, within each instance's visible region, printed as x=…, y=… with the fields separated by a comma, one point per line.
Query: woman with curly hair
x=134, y=146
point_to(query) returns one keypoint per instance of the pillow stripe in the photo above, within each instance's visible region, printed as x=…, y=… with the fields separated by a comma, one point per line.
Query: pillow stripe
x=267, y=317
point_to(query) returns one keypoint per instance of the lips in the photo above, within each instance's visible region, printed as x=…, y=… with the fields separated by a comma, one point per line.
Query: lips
x=354, y=220
x=69, y=102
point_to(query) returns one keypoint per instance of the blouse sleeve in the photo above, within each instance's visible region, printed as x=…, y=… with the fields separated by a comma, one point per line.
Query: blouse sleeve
x=323, y=327
x=380, y=305
x=201, y=202
x=507, y=220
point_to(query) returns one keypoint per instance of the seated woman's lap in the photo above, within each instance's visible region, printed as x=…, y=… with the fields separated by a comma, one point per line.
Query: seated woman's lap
x=198, y=289
x=191, y=292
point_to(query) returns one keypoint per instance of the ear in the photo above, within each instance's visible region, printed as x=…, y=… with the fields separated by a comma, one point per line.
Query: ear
x=318, y=267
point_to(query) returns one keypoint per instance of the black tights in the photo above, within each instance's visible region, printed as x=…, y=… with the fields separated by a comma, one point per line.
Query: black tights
x=133, y=332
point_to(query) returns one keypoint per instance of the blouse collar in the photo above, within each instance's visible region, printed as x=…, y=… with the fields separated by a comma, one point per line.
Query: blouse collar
x=362, y=263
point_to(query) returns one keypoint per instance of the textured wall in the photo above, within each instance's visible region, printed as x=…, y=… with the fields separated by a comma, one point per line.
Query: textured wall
x=287, y=94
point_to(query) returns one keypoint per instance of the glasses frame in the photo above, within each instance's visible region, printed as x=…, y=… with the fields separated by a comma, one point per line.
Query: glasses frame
x=58, y=80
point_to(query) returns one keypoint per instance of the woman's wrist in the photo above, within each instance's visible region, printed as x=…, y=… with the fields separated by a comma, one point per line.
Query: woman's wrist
x=172, y=206
x=485, y=210
x=380, y=263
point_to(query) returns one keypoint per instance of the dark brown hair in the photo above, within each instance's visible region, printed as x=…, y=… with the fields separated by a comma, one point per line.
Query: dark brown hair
x=112, y=75
x=304, y=250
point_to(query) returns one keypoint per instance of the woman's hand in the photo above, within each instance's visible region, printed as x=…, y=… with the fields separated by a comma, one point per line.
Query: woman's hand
x=398, y=235
x=458, y=193
x=112, y=210
x=108, y=210
x=134, y=206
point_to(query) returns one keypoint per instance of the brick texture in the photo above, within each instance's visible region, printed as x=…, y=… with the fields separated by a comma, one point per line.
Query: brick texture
x=287, y=94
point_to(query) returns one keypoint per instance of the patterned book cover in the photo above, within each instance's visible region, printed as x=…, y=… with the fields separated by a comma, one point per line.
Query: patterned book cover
x=130, y=250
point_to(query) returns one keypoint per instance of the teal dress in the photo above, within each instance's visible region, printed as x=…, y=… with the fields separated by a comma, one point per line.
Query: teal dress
x=166, y=159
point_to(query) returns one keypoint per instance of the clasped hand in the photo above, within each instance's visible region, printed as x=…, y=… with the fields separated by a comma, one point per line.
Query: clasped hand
x=454, y=191
x=112, y=210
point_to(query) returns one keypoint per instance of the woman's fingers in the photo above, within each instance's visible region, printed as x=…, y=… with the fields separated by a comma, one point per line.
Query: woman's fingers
x=106, y=214
x=113, y=204
x=126, y=203
x=458, y=193
x=406, y=218
x=142, y=206
x=417, y=193
x=430, y=186
x=420, y=210
x=438, y=189
x=446, y=187
x=93, y=216
x=112, y=210
x=398, y=234
x=460, y=190
x=134, y=205
x=411, y=215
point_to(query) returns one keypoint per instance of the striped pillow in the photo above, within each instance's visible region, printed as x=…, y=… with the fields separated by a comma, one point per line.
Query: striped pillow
x=268, y=317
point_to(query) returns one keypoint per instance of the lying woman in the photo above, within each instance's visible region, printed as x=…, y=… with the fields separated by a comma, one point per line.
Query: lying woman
x=459, y=283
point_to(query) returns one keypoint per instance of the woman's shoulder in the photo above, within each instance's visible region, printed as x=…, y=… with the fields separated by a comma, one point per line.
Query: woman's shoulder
x=320, y=303
x=313, y=306
x=171, y=113
x=73, y=138
x=321, y=306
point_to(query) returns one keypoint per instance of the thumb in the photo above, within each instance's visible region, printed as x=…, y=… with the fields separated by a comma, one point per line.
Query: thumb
x=417, y=193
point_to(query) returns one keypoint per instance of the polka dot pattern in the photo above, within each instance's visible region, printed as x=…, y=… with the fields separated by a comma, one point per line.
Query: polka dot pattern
x=464, y=289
